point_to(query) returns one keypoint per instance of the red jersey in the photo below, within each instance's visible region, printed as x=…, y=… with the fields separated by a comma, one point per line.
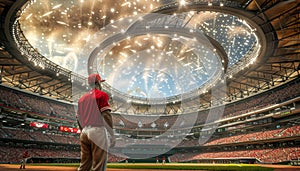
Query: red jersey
x=25, y=154
x=90, y=107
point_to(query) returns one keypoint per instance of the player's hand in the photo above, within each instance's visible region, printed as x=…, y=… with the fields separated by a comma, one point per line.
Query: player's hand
x=112, y=141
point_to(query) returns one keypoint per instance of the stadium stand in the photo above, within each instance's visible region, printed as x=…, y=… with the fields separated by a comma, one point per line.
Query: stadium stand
x=261, y=125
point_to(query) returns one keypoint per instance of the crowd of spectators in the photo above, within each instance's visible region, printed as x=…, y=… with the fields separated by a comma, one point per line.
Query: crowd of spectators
x=273, y=155
x=259, y=135
x=36, y=104
x=283, y=132
x=37, y=135
x=271, y=97
x=14, y=154
x=270, y=155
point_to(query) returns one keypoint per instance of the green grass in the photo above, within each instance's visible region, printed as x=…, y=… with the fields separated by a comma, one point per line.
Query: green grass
x=182, y=166
x=175, y=166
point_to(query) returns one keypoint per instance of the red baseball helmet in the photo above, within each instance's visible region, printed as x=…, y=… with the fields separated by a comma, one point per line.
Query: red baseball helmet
x=93, y=78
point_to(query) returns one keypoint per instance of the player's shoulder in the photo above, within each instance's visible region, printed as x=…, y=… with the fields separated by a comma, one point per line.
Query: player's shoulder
x=100, y=92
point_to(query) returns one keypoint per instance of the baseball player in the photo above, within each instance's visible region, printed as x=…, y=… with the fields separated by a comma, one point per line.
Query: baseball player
x=25, y=155
x=94, y=119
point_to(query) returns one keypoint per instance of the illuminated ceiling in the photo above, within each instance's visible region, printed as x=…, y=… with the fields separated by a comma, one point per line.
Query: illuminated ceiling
x=152, y=64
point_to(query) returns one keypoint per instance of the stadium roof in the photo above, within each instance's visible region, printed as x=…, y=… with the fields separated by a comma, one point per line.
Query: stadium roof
x=42, y=40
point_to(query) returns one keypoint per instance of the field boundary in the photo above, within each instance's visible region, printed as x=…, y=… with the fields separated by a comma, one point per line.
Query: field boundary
x=154, y=166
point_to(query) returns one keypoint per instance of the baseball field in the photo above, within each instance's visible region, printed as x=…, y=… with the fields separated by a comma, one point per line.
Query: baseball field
x=155, y=167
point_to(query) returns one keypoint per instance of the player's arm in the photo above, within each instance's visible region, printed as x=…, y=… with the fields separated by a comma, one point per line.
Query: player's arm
x=108, y=120
x=109, y=125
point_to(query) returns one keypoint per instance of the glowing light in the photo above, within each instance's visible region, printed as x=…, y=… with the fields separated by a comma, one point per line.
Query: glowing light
x=28, y=16
x=62, y=23
x=47, y=13
x=182, y=3
x=57, y=6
